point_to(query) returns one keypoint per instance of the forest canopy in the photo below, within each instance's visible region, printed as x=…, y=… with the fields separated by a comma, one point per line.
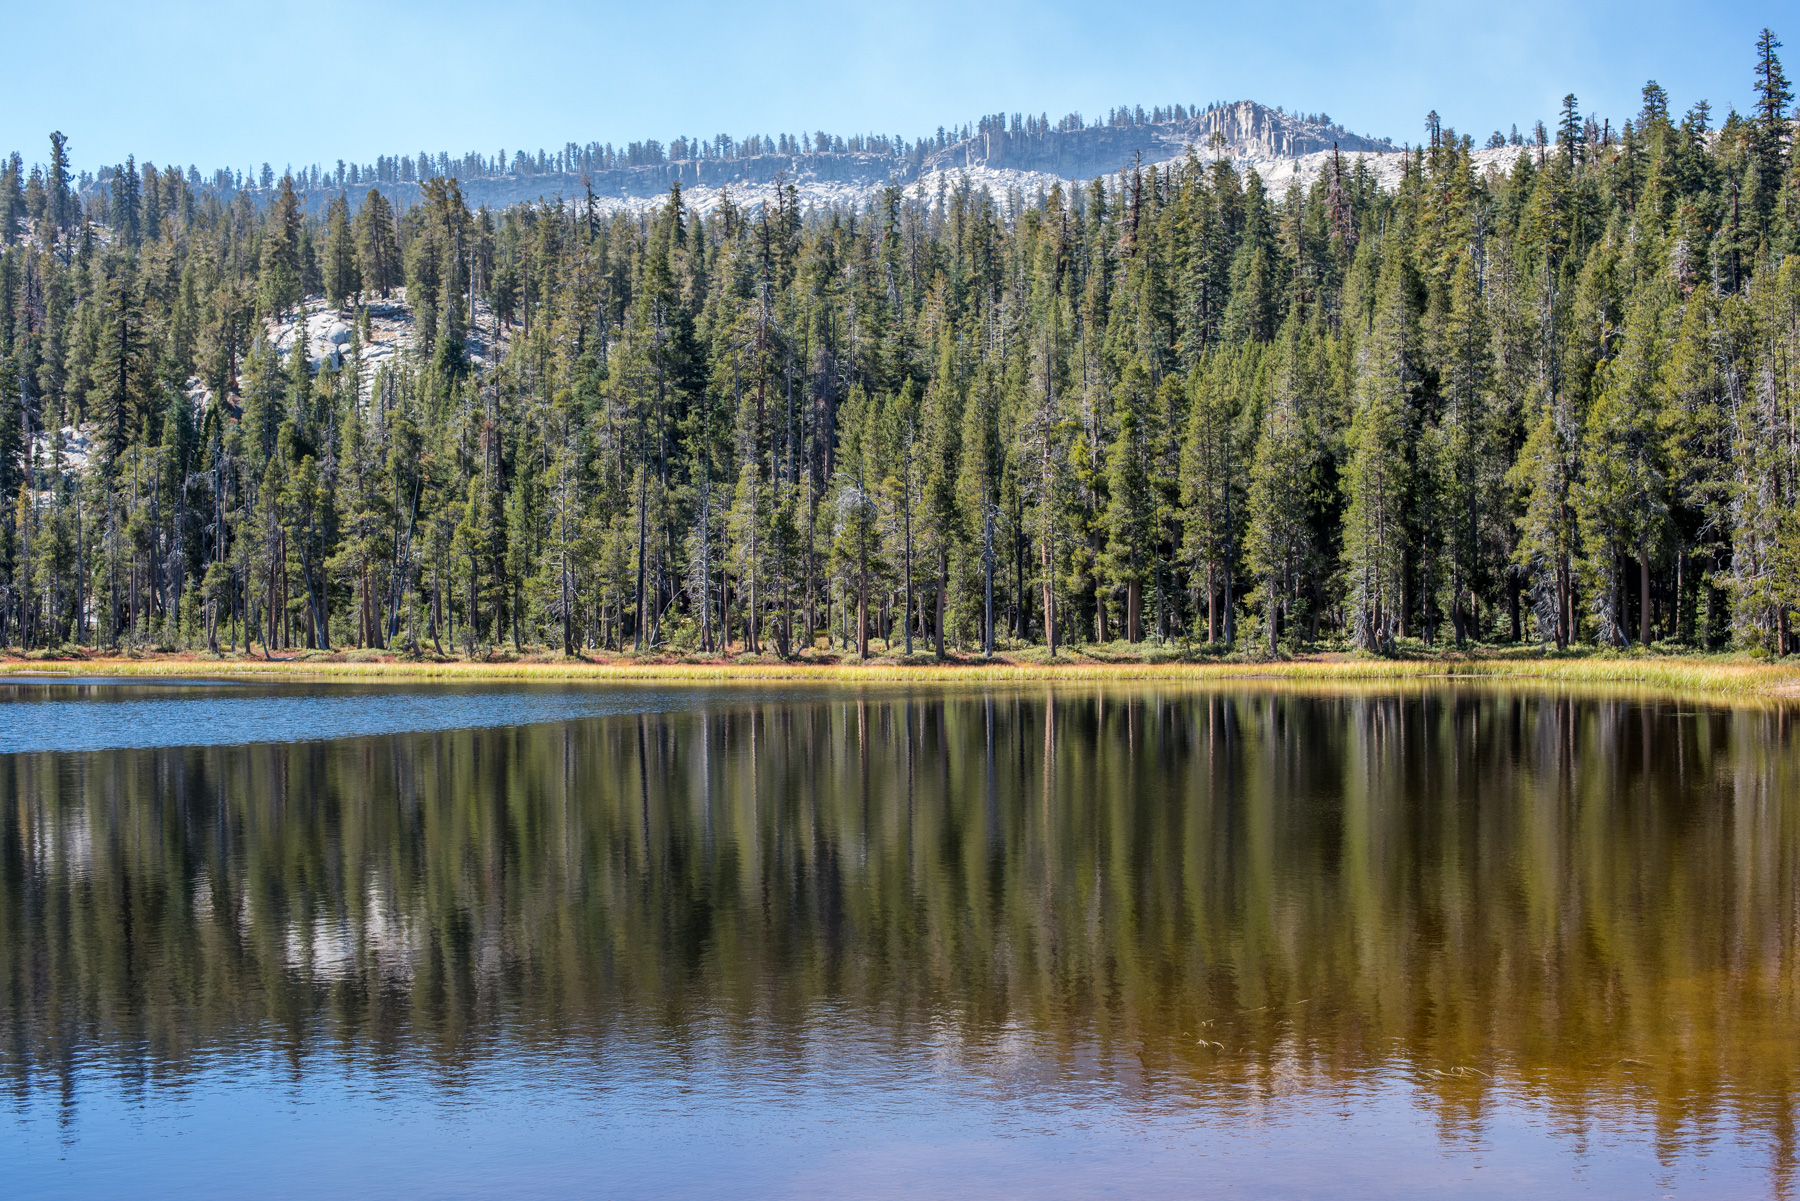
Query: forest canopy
x=1557, y=401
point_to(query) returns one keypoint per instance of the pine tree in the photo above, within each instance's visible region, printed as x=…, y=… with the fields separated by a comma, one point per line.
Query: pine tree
x=1769, y=132
x=341, y=275
x=977, y=497
x=124, y=388
x=1279, y=541
x=1130, y=511
x=1547, y=546
x=126, y=202
x=377, y=255
x=279, y=287
x=1211, y=492
x=943, y=520
x=1620, y=502
x=856, y=544
x=1374, y=529
x=60, y=208
x=1464, y=432
x=1764, y=538
x=1695, y=419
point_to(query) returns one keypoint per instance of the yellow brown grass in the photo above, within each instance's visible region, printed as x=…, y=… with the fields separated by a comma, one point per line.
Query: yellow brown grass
x=1713, y=675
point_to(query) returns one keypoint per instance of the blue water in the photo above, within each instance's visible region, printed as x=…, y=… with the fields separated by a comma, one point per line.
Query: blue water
x=842, y=1113
x=106, y=714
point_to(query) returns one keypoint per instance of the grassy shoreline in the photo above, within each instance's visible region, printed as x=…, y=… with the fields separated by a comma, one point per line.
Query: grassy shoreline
x=1708, y=674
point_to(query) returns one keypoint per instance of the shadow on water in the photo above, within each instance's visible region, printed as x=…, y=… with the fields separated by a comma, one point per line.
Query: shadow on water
x=1186, y=900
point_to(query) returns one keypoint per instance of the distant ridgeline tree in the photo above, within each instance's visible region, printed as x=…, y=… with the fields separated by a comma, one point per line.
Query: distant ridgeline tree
x=1554, y=400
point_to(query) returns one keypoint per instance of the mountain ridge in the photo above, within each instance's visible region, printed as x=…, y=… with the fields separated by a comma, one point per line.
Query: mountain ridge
x=995, y=154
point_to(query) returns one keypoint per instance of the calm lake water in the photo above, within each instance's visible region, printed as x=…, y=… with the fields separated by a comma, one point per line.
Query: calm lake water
x=800, y=942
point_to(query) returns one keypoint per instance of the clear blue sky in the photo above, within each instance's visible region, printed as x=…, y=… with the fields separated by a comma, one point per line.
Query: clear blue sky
x=219, y=84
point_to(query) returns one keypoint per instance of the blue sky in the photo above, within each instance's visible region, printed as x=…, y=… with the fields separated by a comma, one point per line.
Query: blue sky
x=219, y=84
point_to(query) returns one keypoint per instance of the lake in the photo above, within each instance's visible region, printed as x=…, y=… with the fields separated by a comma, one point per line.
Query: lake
x=799, y=941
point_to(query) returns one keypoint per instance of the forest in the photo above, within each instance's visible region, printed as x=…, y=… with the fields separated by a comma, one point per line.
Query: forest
x=1555, y=404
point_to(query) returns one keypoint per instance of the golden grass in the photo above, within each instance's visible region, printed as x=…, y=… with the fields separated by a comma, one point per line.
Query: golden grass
x=1714, y=675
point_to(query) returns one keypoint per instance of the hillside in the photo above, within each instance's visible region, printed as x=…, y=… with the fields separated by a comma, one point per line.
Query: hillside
x=1279, y=145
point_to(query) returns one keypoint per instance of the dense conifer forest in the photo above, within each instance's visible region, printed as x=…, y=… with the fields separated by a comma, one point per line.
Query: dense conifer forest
x=1558, y=403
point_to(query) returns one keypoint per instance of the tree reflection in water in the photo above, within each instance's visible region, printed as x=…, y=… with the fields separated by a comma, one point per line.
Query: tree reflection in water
x=1208, y=897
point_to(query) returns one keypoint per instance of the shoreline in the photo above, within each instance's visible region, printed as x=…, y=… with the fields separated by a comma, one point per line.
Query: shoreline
x=1718, y=675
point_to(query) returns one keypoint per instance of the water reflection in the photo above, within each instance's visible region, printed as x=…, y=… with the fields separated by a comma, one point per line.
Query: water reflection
x=1216, y=899
x=94, y=715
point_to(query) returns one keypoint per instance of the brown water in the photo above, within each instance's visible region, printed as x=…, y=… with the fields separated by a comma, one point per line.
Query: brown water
x=666, y=942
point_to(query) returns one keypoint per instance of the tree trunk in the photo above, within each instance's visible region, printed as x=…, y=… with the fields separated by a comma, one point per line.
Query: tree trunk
x=862, y=615
x=987, y=643
x=637, y=625
x=1675, y=611
x=1212, y=606
x=906, y=622
x=1230, y=608
x=943, y=586
x=1565, y=608
x=724, y=612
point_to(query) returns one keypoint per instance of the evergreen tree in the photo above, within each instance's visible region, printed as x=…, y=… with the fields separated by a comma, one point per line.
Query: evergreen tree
x=280, y=286
x=1130, y=510
x=342, y=278
x=1374, y=520
x=1279, y=544
x=377, y=255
